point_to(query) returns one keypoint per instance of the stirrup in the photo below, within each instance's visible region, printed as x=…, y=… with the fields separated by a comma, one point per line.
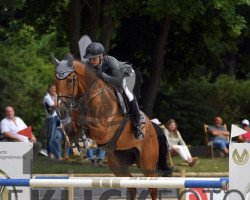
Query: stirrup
x=139, y=137
x=138, y=133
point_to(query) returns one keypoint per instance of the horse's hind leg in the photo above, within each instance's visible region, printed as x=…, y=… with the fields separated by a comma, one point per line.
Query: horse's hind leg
x=149, y=160
x=120, y=171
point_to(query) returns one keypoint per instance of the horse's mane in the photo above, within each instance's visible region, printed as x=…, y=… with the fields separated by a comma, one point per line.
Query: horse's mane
x=85, y=70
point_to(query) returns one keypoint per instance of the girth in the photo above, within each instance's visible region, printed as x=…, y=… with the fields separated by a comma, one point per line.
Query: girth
x=111, y=144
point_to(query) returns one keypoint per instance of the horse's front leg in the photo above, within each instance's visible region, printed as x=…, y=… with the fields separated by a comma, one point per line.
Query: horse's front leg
x=120, y=171
x=149, y=159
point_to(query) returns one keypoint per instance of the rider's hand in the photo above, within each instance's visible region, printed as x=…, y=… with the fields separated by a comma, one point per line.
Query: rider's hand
x=99, y=73
x=33, y=138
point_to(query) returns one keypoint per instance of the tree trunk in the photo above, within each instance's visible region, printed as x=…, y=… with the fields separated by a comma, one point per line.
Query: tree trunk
x=95, y=13
x=230, y=63
x=107, y=26
x=157, y=66
x=74, y=26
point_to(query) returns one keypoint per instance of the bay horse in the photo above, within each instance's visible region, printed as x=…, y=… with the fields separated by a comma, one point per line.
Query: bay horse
x=94, y=109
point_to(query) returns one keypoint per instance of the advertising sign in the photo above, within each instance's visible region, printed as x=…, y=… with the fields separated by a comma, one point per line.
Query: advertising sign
x=15, y=162
x=239, y=165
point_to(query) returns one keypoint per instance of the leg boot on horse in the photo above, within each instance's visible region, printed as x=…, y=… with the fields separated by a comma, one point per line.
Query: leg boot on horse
x=138, y=118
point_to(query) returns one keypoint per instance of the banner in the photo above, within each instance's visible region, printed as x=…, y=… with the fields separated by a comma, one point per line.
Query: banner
x=27, y=132
x=204, y=194
x=239, y=165
x=15, y=162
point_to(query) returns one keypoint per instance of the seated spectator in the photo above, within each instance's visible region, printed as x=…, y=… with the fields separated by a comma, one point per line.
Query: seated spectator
x=177, y=144
x=245, y=137
x=96, y=151
x=11, y=125
x=217, y=135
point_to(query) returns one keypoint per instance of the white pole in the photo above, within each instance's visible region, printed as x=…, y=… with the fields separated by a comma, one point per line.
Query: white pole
x=151, y=178
x=115, y=183
x=102, y=183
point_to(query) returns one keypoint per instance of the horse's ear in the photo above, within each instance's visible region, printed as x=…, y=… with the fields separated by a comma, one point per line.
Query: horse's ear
x=54, y=60
x=70, y=60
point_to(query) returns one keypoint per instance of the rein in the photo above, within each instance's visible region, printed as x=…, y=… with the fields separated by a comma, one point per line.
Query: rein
x=75, y=102
x=79, y=103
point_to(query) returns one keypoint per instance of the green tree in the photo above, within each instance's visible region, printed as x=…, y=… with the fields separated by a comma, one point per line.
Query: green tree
x=195, y=102
x=25, y=74
x=219, y=26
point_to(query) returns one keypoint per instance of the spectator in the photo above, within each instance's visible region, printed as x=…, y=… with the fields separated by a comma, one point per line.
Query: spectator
x=245, y=137
x=177, y=144
x=217, y=135
x=11, y=125
x=100, y=154
x=54, y=136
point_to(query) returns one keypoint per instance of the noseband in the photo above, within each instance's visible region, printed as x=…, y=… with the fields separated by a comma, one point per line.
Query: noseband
x=68, y=101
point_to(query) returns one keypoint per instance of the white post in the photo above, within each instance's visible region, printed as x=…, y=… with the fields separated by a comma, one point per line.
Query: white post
x=70, y=189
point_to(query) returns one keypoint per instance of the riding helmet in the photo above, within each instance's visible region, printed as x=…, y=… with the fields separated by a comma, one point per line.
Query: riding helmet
x=93, y=50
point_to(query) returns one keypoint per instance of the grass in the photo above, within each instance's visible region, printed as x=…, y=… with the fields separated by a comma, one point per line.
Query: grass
x=204, y=165
x=45, y=166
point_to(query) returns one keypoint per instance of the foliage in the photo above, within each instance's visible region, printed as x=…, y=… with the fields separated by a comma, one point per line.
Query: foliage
x=25, y=74
x=195, y=102
x=9, y=7
x=202, y=34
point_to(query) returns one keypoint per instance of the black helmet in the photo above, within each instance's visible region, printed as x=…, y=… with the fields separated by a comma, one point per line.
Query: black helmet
x=93, y=50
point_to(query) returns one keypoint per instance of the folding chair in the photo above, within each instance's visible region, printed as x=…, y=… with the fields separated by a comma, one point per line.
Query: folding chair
x=210, y=143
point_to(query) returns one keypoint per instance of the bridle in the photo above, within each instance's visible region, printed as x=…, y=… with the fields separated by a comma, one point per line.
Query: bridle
x=68, y=104
x=77, y=102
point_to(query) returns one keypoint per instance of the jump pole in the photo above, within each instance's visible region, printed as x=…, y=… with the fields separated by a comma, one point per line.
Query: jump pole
x=132, y=178
x=114, y=183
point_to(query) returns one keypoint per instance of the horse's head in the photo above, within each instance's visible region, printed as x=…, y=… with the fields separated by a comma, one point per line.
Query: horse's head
x=73, y=81
x=66, y=86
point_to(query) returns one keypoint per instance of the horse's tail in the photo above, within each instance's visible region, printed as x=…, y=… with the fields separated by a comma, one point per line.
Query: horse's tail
x=163, y=168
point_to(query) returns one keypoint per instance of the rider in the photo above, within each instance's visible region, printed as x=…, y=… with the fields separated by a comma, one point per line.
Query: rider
x=108, y=69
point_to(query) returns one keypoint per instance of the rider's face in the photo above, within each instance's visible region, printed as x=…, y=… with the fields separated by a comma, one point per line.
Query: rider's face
x=95, y=61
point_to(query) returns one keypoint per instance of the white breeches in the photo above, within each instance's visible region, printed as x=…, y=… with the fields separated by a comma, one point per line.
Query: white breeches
x=183, y=151
x=127, y=92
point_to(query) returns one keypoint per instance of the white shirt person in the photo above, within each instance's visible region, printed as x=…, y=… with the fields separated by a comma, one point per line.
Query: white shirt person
x=11, y=125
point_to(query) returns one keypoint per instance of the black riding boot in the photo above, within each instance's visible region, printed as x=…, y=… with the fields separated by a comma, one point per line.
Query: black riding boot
x=138, y=132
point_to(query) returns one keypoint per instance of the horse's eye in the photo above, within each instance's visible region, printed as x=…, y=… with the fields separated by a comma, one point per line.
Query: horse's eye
x=70, y=80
